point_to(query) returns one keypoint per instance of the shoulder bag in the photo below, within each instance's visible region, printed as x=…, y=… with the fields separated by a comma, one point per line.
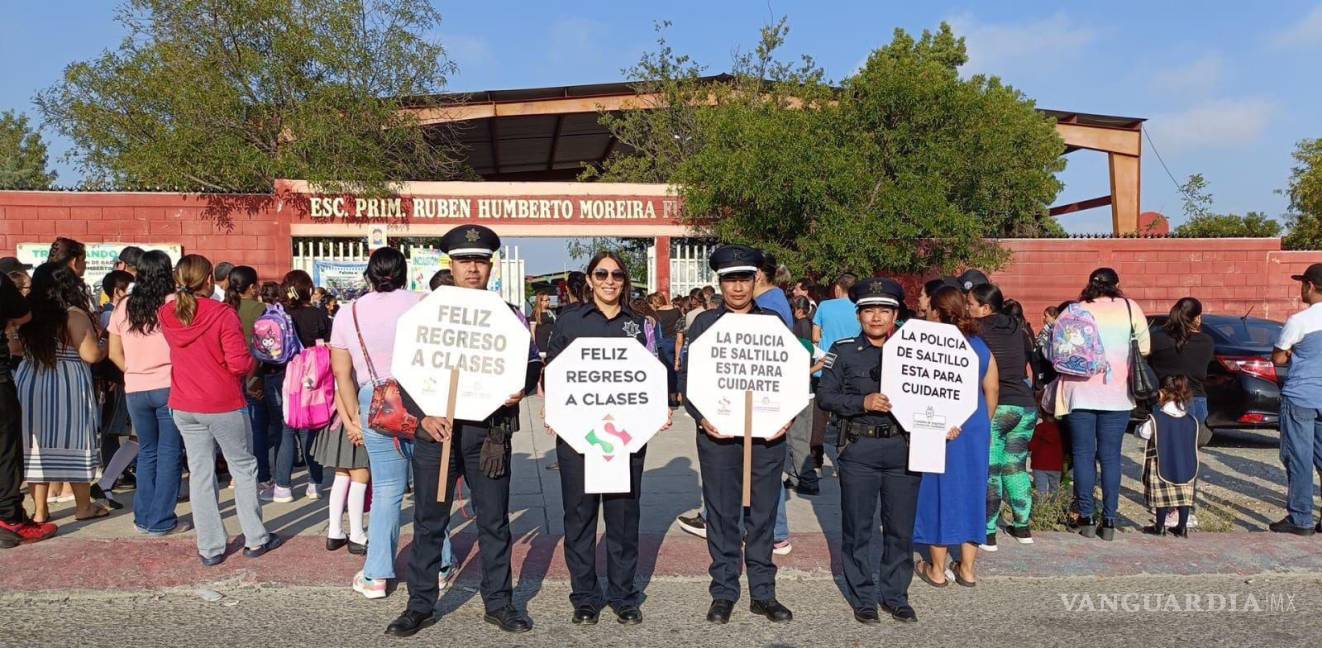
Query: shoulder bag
x=387, y=414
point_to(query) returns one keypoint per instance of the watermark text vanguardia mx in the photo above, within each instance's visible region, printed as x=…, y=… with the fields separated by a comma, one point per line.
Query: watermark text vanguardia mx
x=1219, y=602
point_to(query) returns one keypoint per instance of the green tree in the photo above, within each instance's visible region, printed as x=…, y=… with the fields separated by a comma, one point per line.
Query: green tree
x=231, y=95
x=1196, y=197
x=904, y=167
x=1251, y=225
x=1305, y=192
x=22, y=154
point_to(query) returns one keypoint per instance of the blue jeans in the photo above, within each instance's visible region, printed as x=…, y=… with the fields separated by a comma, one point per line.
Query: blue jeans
x=1097, y=435
x=160, y=455
x=390, y=475
x=267, y=423
x=1198, y=409
x=1301, y=454
x=291, y=440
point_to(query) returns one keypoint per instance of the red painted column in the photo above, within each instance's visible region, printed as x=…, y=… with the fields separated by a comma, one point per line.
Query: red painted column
x=663, y=265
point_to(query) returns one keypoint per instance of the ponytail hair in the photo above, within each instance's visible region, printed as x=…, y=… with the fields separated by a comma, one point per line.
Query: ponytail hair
x=241, y=279
x=1180, y=325
x=192, y=276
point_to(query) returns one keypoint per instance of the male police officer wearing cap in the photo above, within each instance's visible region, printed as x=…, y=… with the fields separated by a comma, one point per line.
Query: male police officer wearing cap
x=873, y=459
x=721, y=458
x=481, y=453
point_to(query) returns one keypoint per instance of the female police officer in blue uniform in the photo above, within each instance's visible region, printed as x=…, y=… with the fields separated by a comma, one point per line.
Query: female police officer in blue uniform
x=873, y=460
x=606, y=313
x=720, y=458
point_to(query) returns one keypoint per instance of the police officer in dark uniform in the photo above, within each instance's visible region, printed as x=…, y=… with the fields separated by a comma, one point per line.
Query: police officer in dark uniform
x=481, y=453
x=605, y=313
x=721, y=459
x=873, y=459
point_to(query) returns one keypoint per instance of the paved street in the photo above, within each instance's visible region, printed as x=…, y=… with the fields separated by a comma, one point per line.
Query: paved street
x=1011, y=612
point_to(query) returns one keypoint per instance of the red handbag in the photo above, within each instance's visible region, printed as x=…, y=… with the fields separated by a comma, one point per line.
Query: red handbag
x=387, y=414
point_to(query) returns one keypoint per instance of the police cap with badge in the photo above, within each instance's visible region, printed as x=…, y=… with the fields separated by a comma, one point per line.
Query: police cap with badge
x=735, y=261
x=877, y=291
x=469, y=241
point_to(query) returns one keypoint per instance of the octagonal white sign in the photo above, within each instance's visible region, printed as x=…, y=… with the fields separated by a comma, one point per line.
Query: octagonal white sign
x=742, y=353
x=473, y=332
x=606, y=397
x=930, y=374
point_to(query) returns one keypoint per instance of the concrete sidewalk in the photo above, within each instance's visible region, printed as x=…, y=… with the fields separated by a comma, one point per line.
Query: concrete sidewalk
x=107, y=553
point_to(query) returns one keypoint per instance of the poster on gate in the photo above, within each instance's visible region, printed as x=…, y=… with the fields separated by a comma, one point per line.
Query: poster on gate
x=606, y=398
x=472, y=332
x=343, y=278
x=101, y=257
x=422, y=265
x=748, y=354
x=930, y=374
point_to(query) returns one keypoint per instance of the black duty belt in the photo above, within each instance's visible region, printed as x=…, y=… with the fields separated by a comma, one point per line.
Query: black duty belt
x=884, y=431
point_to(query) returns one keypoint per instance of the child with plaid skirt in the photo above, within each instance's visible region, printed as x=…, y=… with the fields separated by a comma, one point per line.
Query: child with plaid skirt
x=1170, y=464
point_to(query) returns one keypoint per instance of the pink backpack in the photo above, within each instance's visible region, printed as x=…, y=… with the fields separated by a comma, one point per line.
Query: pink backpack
x=309, y=389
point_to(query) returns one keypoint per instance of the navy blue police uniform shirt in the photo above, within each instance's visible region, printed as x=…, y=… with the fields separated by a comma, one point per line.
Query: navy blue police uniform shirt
x=852, y=371
x=701, y=323
x=586, y=320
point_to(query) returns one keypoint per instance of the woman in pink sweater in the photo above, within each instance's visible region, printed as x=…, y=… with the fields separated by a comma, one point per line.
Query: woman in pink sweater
x=208, y=360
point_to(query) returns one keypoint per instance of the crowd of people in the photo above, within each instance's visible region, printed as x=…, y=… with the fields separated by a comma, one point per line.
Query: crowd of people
x=235, y=382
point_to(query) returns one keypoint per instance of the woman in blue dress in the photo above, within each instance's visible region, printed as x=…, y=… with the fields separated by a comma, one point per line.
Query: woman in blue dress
x=952, y=506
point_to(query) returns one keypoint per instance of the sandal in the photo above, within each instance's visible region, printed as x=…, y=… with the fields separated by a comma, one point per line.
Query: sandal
x=920, y=569
x=954, y=568
x=100, y=513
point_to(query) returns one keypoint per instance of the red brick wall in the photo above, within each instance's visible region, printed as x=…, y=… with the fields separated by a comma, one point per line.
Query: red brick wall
x=241, y=229
x=1228, y=275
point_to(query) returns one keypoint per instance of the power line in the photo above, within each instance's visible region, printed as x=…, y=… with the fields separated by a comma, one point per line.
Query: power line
x=1163, y=162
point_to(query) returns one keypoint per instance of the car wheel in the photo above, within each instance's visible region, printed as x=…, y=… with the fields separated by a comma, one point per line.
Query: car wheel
x=1204, y=435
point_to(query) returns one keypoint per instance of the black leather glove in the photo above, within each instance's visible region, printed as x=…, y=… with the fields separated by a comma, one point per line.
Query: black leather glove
x=494, y=451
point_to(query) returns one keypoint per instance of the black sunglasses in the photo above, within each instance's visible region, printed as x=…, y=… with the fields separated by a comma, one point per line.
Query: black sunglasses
x=601, y=274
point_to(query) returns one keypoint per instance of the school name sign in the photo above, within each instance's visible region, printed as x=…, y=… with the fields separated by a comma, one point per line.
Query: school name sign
x=496, y=208
x=930, y=374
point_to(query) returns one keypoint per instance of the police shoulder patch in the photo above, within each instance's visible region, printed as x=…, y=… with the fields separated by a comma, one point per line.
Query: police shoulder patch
x=828, y=360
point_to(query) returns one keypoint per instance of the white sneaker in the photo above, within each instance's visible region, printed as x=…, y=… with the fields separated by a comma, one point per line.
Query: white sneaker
x=313, y=493
x=447, y=574
x=277, y=494
x=782, y=548
x=369, y=588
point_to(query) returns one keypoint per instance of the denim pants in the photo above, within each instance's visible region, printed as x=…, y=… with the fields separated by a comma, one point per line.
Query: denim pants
x=291, y=441
x=1198, y=409
x=160, y=456
x=265, y=432
x=390, y=476
x=1301, y=454
x=1096, y=436
x=202, y=433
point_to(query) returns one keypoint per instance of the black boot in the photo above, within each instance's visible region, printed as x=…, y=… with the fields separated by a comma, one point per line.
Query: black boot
x=1107, y=530
x=1086, y=527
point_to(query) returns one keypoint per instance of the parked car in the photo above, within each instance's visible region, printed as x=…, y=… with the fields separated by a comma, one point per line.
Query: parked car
x=1243, y=386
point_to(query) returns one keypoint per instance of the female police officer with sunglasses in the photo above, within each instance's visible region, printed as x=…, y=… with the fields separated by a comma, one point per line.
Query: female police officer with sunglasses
x=605, y=313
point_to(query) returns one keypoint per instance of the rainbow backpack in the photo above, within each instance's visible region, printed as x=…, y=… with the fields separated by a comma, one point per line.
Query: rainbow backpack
x=1076, y=344
x=309, y=390
x=274, y=339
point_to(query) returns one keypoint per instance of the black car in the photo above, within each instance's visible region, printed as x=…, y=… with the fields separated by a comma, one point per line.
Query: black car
x=1243, y=386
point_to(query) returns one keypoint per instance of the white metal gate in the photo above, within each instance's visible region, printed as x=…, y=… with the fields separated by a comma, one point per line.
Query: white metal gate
x=506, y=279
x=688, y=269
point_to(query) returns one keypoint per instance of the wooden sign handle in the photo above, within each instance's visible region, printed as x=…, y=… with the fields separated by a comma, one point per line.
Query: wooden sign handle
x=748, y=449
x=445, y=445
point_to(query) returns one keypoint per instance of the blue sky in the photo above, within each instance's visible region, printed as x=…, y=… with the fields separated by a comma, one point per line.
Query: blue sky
x=1227, y=87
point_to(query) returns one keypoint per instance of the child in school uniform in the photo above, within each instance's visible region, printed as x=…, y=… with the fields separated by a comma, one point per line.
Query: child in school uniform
x=1170, y=464
x=1046, y=455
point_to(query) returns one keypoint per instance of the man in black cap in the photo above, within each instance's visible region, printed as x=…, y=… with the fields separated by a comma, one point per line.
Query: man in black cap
x=873, y=459
x=12, y=264
x=1300, y=345
x=721, y=458
x=481, y=453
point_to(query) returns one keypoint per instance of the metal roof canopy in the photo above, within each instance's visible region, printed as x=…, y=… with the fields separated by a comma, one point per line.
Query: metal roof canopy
x=548, y=134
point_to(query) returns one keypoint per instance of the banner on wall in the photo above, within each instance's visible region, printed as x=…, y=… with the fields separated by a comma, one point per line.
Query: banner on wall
x=101, y=257
x=344, y=278
x=422, y=265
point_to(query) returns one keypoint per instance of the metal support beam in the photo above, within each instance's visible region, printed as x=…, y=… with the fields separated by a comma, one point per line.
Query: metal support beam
x=555, y=141
x=1091, y=203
